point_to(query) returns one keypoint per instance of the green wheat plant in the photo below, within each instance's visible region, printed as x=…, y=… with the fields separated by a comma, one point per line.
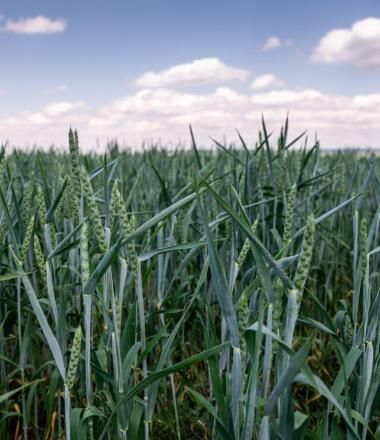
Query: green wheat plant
x=228, y=294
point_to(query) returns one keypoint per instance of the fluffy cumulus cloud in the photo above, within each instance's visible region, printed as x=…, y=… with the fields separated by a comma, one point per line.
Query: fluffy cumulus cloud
x=358, y=45
x=55, y=112
x=152, y=114
x=367, y=101
x=62, y=108
x=272, y=43
x=34, y=25
x=205, y=70
x=164, y=113
x=266, y=81
x=288, y=97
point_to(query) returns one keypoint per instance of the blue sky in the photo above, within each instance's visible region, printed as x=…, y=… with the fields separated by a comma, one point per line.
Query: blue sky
x=78, y=62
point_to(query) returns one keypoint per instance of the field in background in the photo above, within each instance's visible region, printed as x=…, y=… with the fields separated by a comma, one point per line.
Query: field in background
x=190, y=295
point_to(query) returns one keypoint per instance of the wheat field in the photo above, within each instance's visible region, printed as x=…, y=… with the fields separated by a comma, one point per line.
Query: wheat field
x=225, y=294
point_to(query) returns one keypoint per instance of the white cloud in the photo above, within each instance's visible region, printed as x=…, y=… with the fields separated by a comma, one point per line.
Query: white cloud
x=272, y=43
x=38, y=118
x=288, y=97
x=165, y=114
x=55, y=112
x=358, y=45
x=367, y=101
x=34, y=25
x=61, y=108
x=205, y=70
x=265, y=81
